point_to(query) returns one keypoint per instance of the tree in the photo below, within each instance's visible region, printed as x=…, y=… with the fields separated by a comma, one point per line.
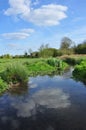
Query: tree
x=41, y=48
x=25, y=54
x=8, y=56
x=81, y=48
x=66, y=43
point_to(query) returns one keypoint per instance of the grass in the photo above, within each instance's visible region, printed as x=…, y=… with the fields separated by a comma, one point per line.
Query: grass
x=3, y=85
x=28, y=63
x=17, y=70
x=73, y=59
x=40, y=67
x=15, y=73
x=7, y=62
x=79, y=72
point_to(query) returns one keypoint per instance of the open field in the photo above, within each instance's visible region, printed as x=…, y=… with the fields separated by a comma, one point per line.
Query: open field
x=4, y=62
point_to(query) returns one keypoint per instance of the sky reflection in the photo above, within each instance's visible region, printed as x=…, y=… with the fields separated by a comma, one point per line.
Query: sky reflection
x=49, y=98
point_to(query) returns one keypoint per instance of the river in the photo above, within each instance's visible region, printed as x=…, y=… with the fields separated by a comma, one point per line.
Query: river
x=55, y=102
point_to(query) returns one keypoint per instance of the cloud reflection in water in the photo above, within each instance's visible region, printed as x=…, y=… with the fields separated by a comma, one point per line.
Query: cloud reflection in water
x=49, y=98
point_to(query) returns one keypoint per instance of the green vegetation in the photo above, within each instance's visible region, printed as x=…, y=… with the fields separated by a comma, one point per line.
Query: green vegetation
x=72, y=61
x=57, y=63
x=40, y=67
x=3, y=85
x=67, y=47
x=45, y=66
x=79, y=72
x=47, y=60
x=81, y=48
x=15, y=73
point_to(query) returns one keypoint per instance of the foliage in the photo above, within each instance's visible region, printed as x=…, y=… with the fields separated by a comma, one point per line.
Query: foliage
x=15, y=73
x=80, y=71
x=68, y=51
x=67, y=46
x=66, y=43
x=81, y=48
x=34, y=54
x=53, y=62
x=59, y=64
x=39, y=67
x=3, y=85
x=72, y=61
x=7, y=56
x=48, y=52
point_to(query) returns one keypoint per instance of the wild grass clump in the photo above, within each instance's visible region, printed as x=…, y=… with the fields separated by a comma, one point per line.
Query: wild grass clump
x=3, y=85
x=15, y=73
x=52, y=62
x=39, y=67
x=79, y=72
x=59, y=64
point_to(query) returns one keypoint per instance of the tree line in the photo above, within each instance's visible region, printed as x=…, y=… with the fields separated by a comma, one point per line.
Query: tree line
x=67, y=47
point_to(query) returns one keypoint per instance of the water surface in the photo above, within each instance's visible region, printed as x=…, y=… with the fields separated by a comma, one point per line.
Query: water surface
x=48, y=103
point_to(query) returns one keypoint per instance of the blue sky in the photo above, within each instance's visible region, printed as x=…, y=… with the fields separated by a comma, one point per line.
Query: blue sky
x=26, y=24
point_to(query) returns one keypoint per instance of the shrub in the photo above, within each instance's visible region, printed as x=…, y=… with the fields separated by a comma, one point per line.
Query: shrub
x=79, y=72
x=59, y=64
x=15, y=73
x=3, y=85
x=52, y=62
x=72, y=61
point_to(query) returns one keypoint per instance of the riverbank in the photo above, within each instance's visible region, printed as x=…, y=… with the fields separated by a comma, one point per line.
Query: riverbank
x=17, y=71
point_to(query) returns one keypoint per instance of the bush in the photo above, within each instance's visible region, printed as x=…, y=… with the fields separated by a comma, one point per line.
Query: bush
x=79, y=72
x=59, y=64
x=15, y=74
x=72, y=61
x=52, y=62
x=3, y=85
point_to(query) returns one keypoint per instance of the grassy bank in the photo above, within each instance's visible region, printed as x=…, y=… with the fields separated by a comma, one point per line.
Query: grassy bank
x=14, y=75
x=45, y=66
x=73, y=59
x=16, y=71
x=79, y=72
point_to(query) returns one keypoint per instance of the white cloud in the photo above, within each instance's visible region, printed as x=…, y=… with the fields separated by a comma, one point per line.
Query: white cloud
x=27, y=30
x=22, y=34
x=16, y=35
x=46, y=15
x=18, y=7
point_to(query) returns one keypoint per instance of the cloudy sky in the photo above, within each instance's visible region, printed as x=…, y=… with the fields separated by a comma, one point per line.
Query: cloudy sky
x=27, y=24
